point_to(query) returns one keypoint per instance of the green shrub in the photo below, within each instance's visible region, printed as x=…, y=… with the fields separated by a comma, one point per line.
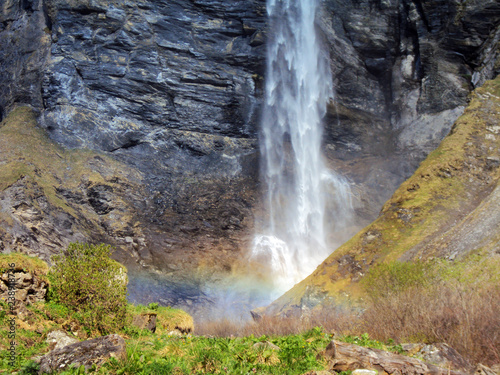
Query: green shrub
x=153, y=306
x=90, y=283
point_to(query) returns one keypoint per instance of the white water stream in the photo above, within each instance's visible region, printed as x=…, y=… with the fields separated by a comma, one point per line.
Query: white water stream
x=298, y=86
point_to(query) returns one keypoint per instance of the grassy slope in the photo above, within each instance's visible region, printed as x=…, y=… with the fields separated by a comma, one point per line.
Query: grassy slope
x=30, y=157
x=450, y=187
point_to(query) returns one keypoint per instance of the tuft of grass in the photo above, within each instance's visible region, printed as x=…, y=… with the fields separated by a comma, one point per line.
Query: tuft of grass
x=24, y=263
x=168, y=319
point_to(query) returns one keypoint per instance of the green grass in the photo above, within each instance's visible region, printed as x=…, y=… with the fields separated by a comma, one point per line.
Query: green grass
x=24, y=263
x=161, y=353
x=152, y=354
x=167, y=318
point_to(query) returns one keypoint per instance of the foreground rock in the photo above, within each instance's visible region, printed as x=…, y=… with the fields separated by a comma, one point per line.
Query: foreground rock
x=485, y=370
x=86, y=353
x=349, y=357
x=59, y=339
x=444, y=356
x=27, y=276
x=145, y=321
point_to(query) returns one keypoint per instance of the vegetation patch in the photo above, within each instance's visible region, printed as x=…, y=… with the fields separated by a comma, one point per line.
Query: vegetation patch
x=90, y=283
x=168, y=319
x=24, y=263
x=438, y=301
x=52, y=182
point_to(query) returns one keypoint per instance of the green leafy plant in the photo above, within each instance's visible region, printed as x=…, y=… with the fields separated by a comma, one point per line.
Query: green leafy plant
x=153, y=306
x=92, y=285
x=29, y=368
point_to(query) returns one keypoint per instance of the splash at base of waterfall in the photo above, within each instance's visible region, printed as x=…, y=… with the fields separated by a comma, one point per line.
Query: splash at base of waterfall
x=282, y=266
x=272, y=257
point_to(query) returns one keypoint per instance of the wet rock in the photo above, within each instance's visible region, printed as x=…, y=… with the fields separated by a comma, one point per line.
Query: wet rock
x=85, y=353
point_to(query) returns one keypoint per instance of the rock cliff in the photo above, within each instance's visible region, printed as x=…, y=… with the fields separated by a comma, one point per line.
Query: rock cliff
x=152, y=112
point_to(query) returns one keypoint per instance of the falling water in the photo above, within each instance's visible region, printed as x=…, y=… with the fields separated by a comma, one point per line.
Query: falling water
x=298, y=87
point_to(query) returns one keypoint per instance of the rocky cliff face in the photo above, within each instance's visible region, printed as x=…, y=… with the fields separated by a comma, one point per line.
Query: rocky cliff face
x=167, y=96
x=403, y=71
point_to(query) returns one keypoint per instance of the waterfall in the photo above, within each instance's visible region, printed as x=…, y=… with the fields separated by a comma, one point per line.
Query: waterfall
x=298, y=86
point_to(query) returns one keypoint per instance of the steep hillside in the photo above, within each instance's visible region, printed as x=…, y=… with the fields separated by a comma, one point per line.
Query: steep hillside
x=448, y=208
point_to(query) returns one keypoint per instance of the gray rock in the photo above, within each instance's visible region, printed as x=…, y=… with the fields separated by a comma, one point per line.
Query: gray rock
x=364, y=372
x=30, y=287
x=59, y=339
x=85, y=353
x=145, y=321
x=484, y=370
x=443, y=355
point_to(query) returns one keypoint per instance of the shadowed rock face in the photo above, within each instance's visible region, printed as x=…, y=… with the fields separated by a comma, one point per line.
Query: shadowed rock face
x=172, y=89
x=402, y=72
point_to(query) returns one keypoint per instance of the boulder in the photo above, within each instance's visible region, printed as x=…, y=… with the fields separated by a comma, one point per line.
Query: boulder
x=443, y=355
x=484, y=370
x=85, y=353
x=145, y=321
x=59, y=339
x=349, y=357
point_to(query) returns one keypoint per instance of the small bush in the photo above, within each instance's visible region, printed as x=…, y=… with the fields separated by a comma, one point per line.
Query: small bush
x=153, y=306
x=90, y=283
